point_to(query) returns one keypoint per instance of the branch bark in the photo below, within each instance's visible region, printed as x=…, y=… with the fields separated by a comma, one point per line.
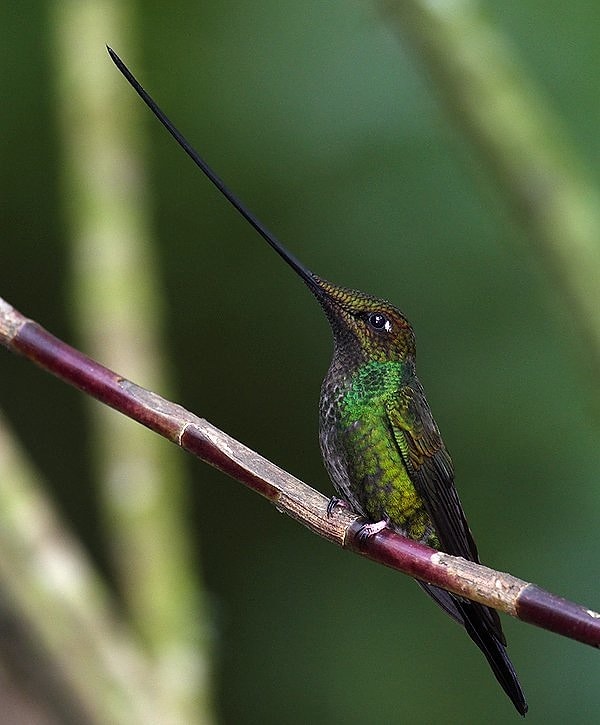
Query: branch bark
x=504, y=592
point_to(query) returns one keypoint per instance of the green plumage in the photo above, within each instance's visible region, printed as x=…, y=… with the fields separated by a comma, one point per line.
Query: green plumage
x=383, y=486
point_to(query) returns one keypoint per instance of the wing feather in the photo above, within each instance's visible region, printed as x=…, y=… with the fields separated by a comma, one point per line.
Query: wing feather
x=430, y=469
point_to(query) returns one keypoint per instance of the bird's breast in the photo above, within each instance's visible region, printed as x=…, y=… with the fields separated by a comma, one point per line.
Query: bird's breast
x=361, y=455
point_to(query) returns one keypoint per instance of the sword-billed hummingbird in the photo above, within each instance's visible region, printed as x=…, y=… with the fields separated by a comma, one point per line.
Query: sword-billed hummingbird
x=380, y=444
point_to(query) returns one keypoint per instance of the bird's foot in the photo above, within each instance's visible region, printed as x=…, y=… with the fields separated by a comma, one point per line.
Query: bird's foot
x=368, y=530
x=335, y=503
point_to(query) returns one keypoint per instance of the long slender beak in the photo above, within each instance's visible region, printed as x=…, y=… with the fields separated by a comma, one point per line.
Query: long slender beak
x=311, y=280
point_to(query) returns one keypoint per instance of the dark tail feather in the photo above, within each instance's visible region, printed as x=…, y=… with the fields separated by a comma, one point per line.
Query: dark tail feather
x=483, y=627
x=495, y=653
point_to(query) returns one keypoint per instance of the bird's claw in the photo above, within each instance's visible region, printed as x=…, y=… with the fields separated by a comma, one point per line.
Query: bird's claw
x=367, y=530
x=334, y=503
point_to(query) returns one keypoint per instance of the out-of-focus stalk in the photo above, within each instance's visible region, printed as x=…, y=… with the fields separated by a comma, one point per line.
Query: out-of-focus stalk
x=116, y=299
x=478, y=75
x=61, y=603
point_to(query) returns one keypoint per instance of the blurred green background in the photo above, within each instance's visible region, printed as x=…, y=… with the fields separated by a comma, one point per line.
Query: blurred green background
x=325, y=124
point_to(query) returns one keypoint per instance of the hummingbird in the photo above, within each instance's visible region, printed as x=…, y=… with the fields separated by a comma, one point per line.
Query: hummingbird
x=380, y=443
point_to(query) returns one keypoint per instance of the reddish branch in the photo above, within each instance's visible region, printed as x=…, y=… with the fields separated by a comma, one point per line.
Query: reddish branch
x=516, y=597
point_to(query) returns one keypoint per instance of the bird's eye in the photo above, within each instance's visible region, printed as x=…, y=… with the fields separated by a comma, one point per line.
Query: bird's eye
x=379, y=322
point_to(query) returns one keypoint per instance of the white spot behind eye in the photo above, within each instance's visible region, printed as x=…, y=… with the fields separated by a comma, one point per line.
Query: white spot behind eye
x=388, y=326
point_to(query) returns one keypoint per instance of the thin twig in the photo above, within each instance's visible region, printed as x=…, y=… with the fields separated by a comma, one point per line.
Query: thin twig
x=504, y=592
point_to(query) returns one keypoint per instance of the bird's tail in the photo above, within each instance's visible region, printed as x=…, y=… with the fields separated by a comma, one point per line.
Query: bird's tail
x=483, y=627
x=495, y=653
